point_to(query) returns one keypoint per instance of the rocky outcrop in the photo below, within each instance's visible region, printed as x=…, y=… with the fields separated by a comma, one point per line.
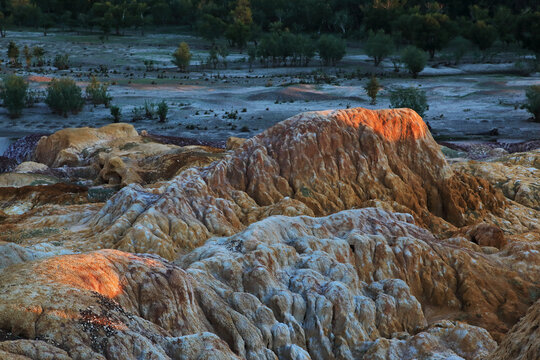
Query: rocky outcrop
x=64, y=146
x=19, y=200
x=521, y=343
x=114, y=154
x=105, y=305
x=516, y=175
x=484, y=235
x=234, y=143
x=312, y=164
x=355, y=285
x=30, y=167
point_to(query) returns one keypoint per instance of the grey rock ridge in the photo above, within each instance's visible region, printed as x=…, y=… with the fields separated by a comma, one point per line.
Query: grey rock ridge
x=332, y=235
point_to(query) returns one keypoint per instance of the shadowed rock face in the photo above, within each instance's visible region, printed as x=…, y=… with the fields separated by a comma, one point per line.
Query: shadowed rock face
x=521, y=342
x=437, y=264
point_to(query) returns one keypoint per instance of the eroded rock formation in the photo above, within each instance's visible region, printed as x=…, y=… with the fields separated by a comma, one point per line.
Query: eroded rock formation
x=312, y=164
x=521, y=343
x=437, y=263
x=345, y=287
x=516, y=175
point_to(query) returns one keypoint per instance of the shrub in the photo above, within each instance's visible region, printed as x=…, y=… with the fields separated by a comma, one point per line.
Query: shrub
x=38, y=53
x=223, y=52
x=61, y=62
x=149, y=65
x=412, y=98
x=379, y=46
x=149, y=110
x=533, y=101
x=137, y=113
x=13, y=53
x=116, y=113
x=331, y=49
x=162, y=110
x=414, y=59
x=27, y=55
x=182, y=56
x=459, y=47
x=13, y=94
x=98, y=93
x=64, y=96
x=372, y=89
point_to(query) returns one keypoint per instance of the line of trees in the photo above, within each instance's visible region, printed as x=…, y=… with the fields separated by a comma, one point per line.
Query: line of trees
x=429, y=25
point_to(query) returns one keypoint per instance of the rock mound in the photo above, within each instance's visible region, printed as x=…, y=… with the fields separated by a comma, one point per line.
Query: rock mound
x=63, y=147
x=315, y=163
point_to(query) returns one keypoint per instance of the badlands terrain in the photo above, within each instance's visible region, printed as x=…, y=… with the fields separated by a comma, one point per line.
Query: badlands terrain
x=341, y=234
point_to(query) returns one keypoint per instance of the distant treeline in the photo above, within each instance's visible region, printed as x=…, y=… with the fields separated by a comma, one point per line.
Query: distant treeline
x=426, y=24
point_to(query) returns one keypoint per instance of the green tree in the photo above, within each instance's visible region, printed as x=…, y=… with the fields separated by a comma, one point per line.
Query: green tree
x=13, y=53
x=162, y=110
x=223, y=52
x=308, y=48
x=105, y=24
x=137, y=13
x=120, y=17
x=533, y=101
x=61, y=62
x=211, y=27
x=433, y=32
x=64, y=96
x=331, y=49
x=239, y=31
x=482, y=35
x=506, y=24
x=411, y=98
x=459, y=46
x=528, y=32
x=372, y=88
x=27, y=55
x=213, y=58
x=98, y=93
x=182, y=56
x=238, y=34
x=161, y=12
x=13, y=93
x=414, y=59
x=116, y=113
x=242, y=12
x=378, y=46
x=46, y=22
x=430, y=32
x=38, y=53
